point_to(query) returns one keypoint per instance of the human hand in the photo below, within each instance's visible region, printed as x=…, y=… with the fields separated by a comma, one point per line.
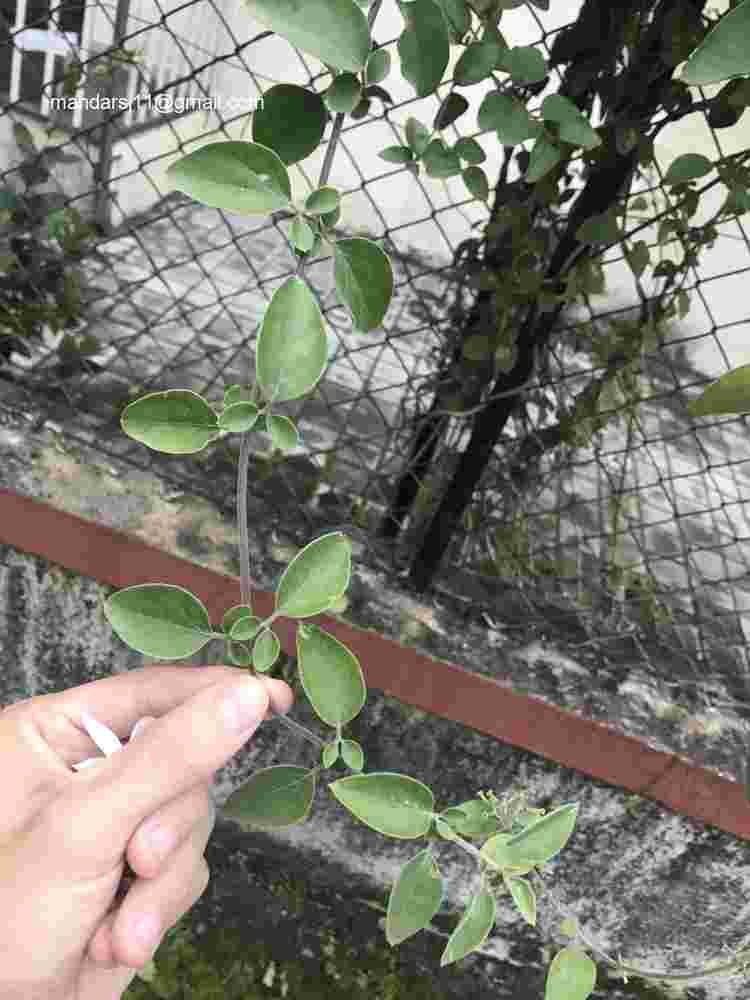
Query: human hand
x=65, y=835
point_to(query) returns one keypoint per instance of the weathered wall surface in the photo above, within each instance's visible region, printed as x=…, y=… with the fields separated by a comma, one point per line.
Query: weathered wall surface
x=662, y=890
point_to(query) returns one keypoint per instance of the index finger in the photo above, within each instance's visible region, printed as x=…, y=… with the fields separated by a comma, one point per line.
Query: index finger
x=95, y=817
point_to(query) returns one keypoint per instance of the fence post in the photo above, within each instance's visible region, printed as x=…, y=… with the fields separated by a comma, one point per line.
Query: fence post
x=103, y=197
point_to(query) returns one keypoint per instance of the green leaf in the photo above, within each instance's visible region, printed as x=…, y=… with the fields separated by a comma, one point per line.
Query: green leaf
x=574, y=126
x=292, y=348
x=331, y=676
x=470, y=150
x=731, y=394
x=283, y=432
x=266, y=649
x=476, y=63
x=352, y=754
x=417, y=135
x=176, y=421
x=242, y=177
x=473, y=929
x=301, y=235
x=334, y=31
x=273, y=798
x=364, y=280
x=545, y=155
x=238, y=417
x=525, y=63
x=423, y=47
x=536, y=844
x=450, y=110
x=724, y=51
x=396, y=154
x=414, y=899
x=378, y=66
x=344, y=94
x=245, y=628
x=160, y=620
x=330, y=754
x=392, y=804
x=233, y=614
x=472, y=819
x=688, y=167
x=322, y=201
x=440, y=161
x=509, y=117
x=524, y=897
x=236, y=393
x=457, y=16
x=640, y=258
x=476, y=182
x=599, y=229
x=291, y=121
x=571, y=976
x=316, y=577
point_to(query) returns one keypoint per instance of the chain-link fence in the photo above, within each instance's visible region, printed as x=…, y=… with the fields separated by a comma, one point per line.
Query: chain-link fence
x=617, y=525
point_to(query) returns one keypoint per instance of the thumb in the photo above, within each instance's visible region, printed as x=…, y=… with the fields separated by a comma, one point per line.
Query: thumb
x=170, y=756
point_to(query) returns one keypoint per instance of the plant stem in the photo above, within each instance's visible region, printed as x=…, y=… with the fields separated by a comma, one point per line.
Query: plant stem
x=245, y=581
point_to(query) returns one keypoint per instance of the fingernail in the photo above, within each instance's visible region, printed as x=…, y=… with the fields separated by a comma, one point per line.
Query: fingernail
x=245, y=705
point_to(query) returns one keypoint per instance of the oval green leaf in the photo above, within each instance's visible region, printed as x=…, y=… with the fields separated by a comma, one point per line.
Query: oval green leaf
x=525, y=63
x=266, y=650
x=544, y=156
x=524, y=897
x=688, y=167
x=316, y=577
x=396, y=154
x=237, y=393
x=731, y=394
x=571, y=976
x=574, y=126
x=470, y=150
x=233, y=614
x=364, y=280
x=508, y=117
x=450, y=110
x=472, y=819
x=334, y=31
x=542, y=840
x=273, y=798
x=160, y=620
x=330, y=754
x=235, y=176
x=238, y=417
x=322, y=201
x=392, y=804
x=239, y=654
x=352, y=754
x=378, y=66
x=424, y=47
x=176, y=421
x=415, y=898
x=245, y=628
x=292, y=347
x=440, y=161
x=476, y=183
x=291, y=121
x=283, y=432
x=344, y=94
x=724, y=52
x=301, y=234
x=417, y=135
x=473, y=929
x=331, y=676
x=476, y=63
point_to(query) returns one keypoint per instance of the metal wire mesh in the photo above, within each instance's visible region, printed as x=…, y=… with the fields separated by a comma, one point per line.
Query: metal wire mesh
x=638, y=536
